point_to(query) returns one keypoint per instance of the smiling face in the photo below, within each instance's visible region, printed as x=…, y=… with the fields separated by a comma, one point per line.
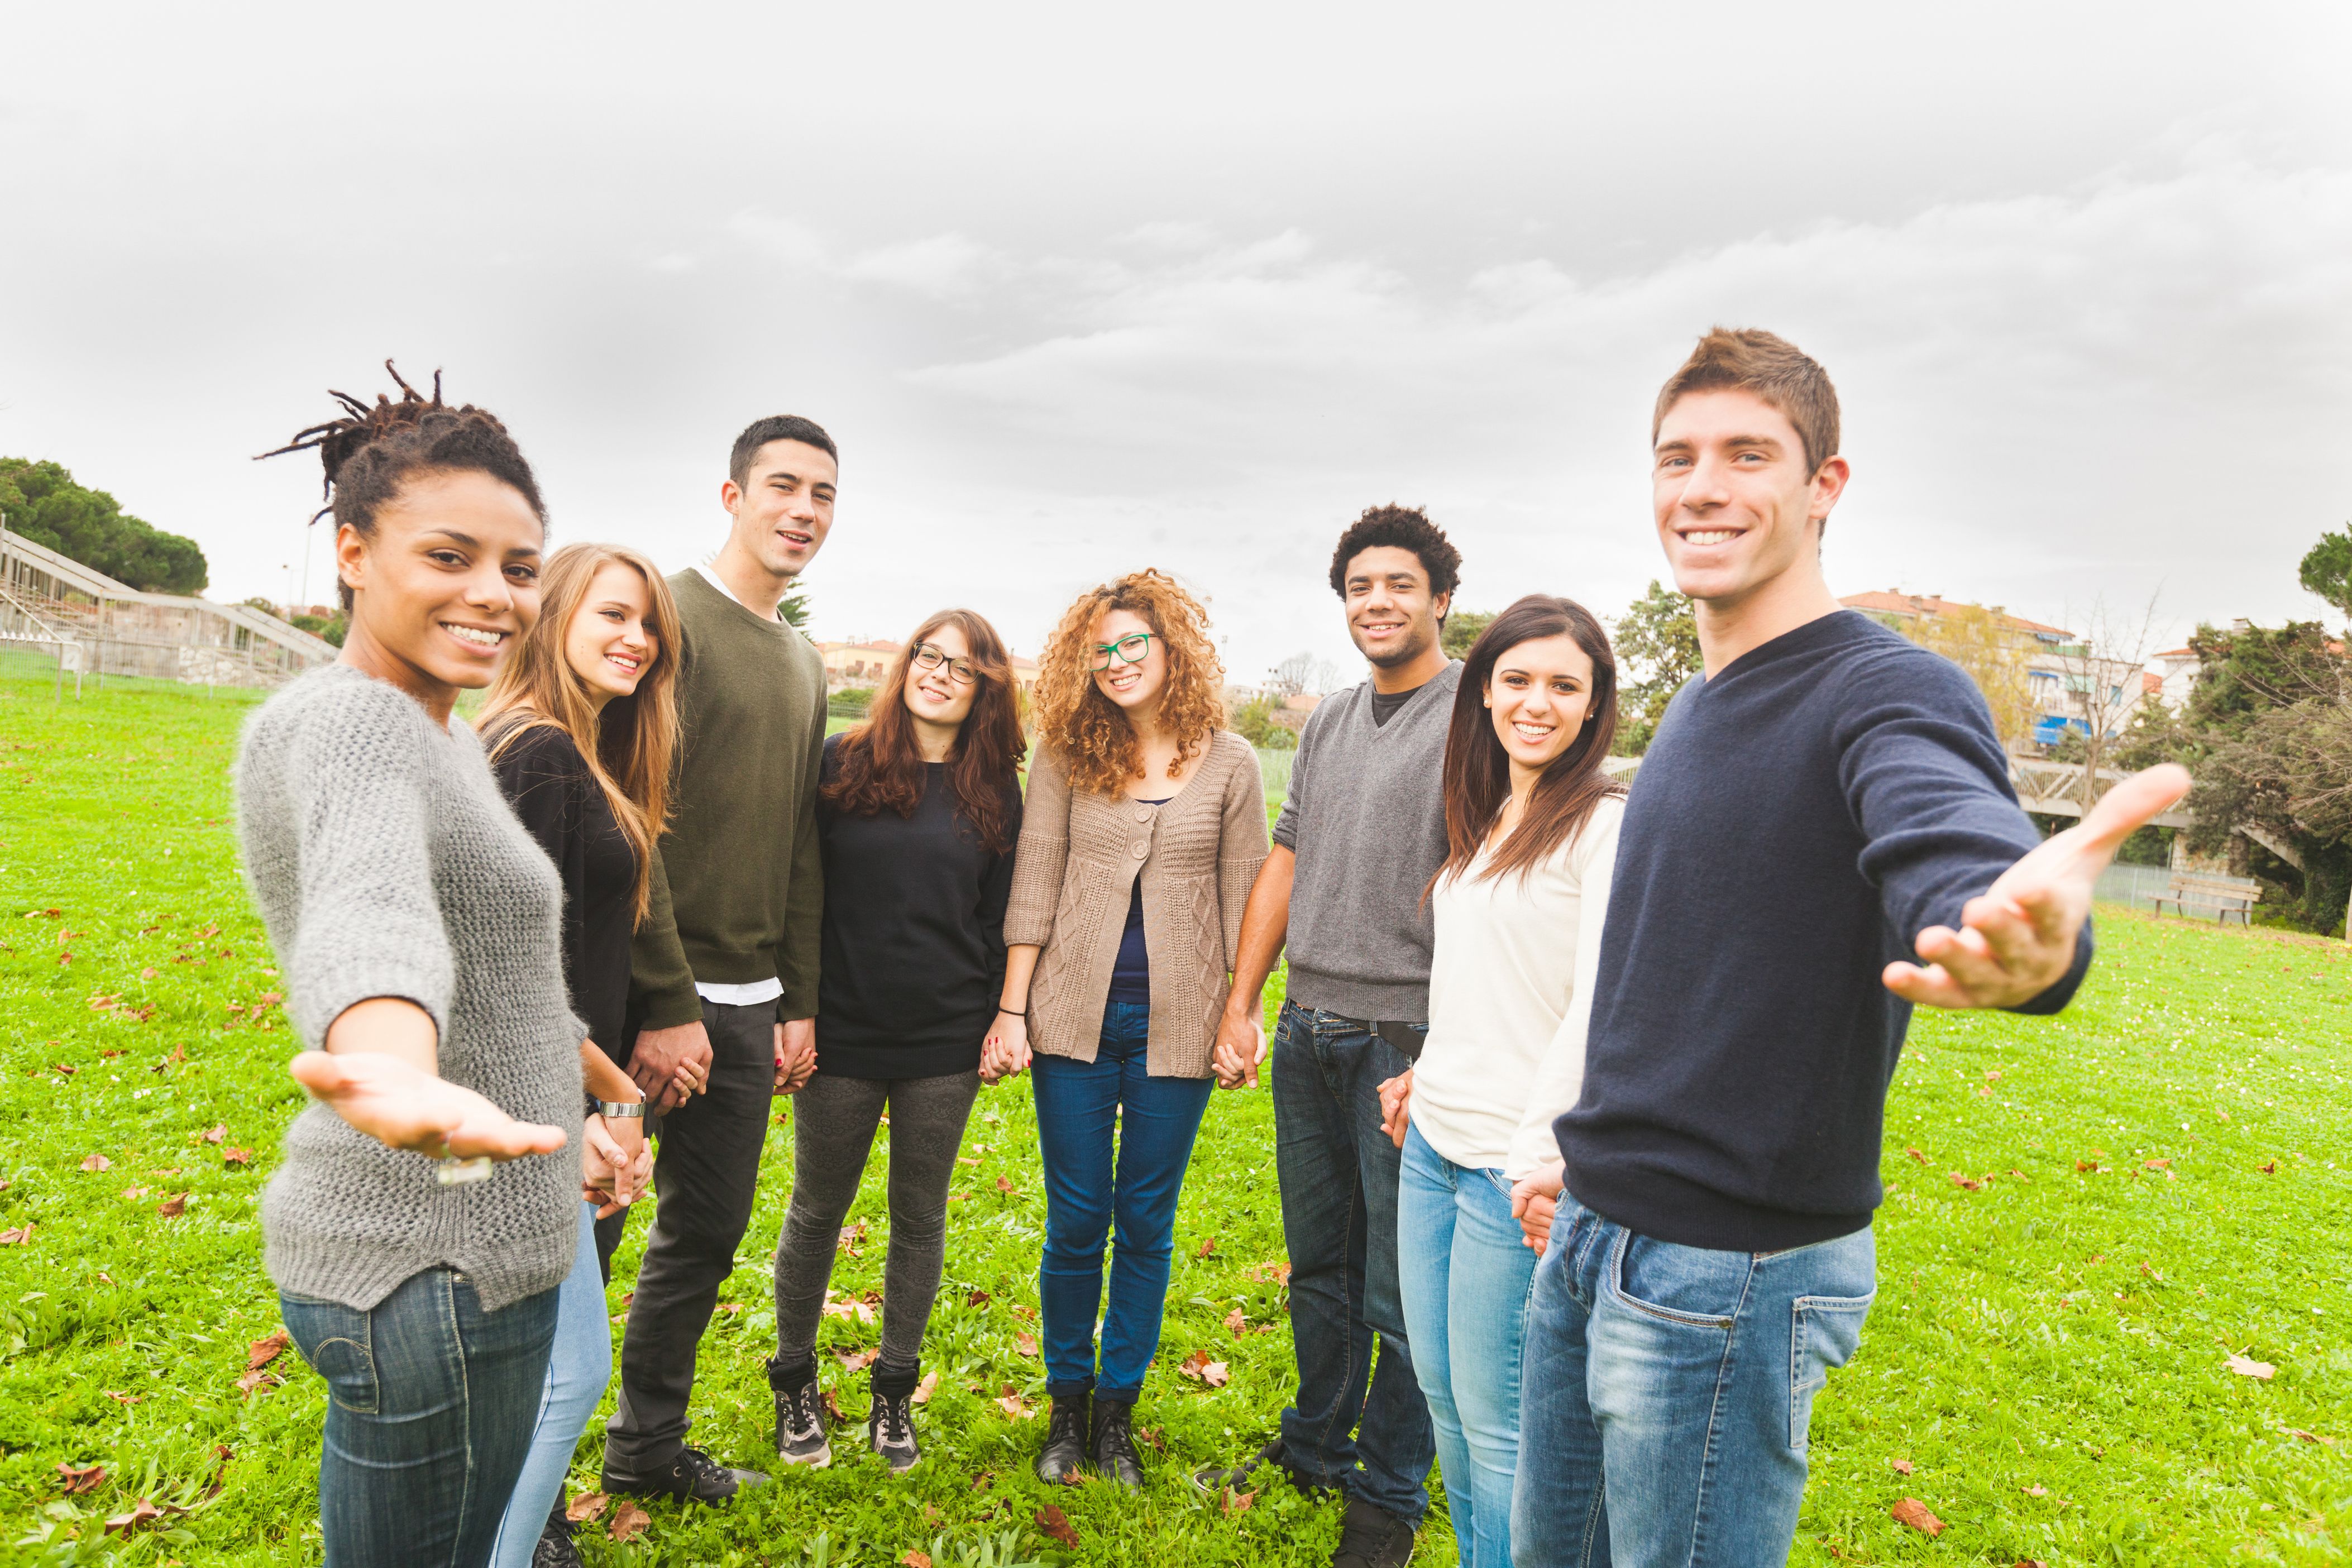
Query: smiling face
x=1736, y=510
x=1393, y=617
x=1131, y=685
x=1540, y=694
x=784, y=508
x=611, y=644
x=935, y=696
x=448, y=582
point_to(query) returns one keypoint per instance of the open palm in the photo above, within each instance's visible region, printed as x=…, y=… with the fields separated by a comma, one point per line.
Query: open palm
x=402, y=1105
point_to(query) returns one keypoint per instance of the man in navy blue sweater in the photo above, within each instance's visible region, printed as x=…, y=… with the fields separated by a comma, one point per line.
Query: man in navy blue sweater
x=1822, y=835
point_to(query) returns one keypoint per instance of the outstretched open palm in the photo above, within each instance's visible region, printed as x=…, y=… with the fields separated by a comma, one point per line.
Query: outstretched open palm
x=398, y=1103
x=2017, y=939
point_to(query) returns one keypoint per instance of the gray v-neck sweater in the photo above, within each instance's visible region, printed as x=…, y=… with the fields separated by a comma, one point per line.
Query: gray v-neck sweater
x=386, y=863
x=1366, y=818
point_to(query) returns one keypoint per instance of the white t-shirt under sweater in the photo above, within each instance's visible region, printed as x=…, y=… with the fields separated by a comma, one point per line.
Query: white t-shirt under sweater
x=1510, y=992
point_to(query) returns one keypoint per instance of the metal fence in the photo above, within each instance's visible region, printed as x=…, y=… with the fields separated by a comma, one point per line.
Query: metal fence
x=2136, y=886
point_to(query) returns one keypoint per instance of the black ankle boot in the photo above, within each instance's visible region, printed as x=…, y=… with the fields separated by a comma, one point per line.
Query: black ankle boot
x=1113, y=1445
x=1065, y=1455
x=555, y=1549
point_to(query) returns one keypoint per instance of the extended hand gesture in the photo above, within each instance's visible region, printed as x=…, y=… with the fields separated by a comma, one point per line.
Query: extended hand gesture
x=2017, y=939
x=398, y=1103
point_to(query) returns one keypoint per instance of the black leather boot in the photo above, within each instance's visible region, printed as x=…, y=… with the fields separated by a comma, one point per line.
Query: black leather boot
x=1064, y=1459
x=1113, y=1446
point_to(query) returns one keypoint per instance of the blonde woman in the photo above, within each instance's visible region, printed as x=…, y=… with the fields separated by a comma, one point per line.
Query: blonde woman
x=1144, y=827
x=581, y=727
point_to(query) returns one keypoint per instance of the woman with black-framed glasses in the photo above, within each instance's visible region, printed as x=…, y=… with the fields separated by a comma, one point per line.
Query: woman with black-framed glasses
x=917, y=813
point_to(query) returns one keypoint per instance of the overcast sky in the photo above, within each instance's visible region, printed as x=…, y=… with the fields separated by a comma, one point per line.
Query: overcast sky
x=1079, y=290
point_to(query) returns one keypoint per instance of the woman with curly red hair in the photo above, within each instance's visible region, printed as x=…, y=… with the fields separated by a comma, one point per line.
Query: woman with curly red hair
x=1144, y=827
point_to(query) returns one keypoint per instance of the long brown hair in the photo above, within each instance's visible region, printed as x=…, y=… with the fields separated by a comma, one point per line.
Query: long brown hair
x=878, y=764
x=630, y=747
x=1478, y=770
x=1087, y=730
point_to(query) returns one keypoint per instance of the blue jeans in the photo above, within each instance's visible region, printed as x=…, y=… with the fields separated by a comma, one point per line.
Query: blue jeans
x=578, y=1368
x=430, y=1405
x=1667, y=1393
x=1339, y=1173
x=1464, y=1271
x=1079, y=1105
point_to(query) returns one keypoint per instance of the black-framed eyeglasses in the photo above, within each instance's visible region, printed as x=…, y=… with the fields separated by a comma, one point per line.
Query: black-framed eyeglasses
x=931, y=655
x=1129, y=650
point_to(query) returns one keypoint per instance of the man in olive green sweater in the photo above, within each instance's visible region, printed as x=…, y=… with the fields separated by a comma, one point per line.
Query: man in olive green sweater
x=724, y=969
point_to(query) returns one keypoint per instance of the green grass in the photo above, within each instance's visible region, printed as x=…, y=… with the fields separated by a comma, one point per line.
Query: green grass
x=2048, y=1351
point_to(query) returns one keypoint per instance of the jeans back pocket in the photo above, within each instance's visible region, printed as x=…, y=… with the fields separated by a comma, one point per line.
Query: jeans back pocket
x=337, y=1344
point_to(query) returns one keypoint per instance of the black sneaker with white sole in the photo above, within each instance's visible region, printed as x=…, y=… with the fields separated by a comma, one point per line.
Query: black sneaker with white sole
x=692, y=1477
x=801, y=1423
x=1372, y=1538
x=890, y=1431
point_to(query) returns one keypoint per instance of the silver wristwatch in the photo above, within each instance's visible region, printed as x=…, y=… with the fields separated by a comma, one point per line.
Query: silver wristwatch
x=616, y=1108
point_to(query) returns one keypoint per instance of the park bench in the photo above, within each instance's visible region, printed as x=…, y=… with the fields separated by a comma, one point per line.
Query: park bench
x=2224, y=895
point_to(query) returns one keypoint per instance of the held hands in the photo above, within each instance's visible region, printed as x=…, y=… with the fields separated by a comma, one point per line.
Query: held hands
x=2017, y=939
x=1396, y=1105
x=670, y=1065
x=795, y=1055
x=1534, y=1200
x=1239, y=1049
x=615, y=1163
x=400, y=1104
x=1005, y=1051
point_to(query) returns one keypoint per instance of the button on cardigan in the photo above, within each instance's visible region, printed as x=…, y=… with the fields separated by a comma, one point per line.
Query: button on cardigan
x=1081, y=853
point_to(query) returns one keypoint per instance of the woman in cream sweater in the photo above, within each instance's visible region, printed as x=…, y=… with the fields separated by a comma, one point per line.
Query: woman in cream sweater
x=1144, y=827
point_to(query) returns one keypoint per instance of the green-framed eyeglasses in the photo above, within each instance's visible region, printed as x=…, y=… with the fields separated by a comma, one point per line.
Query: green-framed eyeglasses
x=1129, y=650
x=931, y=655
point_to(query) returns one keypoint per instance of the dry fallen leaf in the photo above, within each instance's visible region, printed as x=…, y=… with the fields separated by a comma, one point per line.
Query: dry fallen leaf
x=584, y=1508
x=1010, y=1403
x=1207, y=1248
x=1056, y=1523
x=98, y=1162
x=126, y=1398
x=913, y=1559
x=922, y=1394
x=2032, y=1562
x=1235, y=1320
x=174, y=1207
x=833, y=1411
x=2309, y=1437
x=237, y=1156
x=81, y=1478
x=1960, y=1181
x=1002, y=1185
x=16, y=1238
x=1902, y=1466
x=1916, y=1156
x=1027, y=1344
x=2246, y=1367
x=1915, y=1514
x=263, y=1351
x=2155, y=1164
x=977, y=1299
x=2037, y=1489
x=216, y=1134
x=1238, y=1502
x=629, y=1522
x=2270, y=1168
x=856, y=1360
x=145, y=1512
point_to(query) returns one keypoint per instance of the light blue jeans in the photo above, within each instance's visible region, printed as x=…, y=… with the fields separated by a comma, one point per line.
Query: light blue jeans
x=1464, y=1273
x=1667, y=1393
x=578, y=1368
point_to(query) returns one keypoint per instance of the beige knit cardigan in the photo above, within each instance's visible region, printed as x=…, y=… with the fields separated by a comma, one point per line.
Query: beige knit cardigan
x=1080, y=854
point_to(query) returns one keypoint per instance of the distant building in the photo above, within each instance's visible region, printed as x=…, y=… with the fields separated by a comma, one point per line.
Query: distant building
x=865, y=663
x=2174, y=672
x=2069, y=683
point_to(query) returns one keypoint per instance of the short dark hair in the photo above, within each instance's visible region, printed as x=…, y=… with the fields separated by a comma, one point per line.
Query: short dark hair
x=1403, y=528
x=775, y=427
x=372, y=451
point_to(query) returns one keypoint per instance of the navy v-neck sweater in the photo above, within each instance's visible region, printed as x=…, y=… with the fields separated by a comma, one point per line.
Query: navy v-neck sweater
x=1800, y=818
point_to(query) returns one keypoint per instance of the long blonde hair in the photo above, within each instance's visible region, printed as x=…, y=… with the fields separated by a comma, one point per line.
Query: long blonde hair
x=630, y=747
x=1089, y=730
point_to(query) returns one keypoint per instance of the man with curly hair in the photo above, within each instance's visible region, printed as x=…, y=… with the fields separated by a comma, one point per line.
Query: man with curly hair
x=1361, y=833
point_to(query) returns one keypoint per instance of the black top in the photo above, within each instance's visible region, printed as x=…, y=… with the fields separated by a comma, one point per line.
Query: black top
x=548, y=782
x=1799, y=819
x=1386, y=703
x=914, y=934
x=1130, y=973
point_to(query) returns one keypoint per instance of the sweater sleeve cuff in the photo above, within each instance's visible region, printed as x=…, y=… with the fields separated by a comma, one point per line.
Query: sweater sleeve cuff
x=2062, y=991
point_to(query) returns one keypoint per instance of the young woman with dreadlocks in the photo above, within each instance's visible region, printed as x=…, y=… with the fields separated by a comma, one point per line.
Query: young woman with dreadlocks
x=423, y=1214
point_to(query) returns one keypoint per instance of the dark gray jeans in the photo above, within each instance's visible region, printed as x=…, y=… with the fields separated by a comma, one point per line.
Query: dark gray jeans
x=706, y=1173
x=835, y=1133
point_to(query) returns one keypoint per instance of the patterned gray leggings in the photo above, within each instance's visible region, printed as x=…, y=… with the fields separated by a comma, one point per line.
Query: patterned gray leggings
x=832, y=1132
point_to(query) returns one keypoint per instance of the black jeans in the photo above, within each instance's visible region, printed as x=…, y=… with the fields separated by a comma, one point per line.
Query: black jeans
x=833, y=1134
x=706, y=1173
x=1339, y=1174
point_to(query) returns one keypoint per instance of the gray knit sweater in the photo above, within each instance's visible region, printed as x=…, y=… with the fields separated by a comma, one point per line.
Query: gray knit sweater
x=386, y=864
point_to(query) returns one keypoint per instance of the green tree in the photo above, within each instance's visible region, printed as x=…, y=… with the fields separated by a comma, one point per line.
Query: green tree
x=794, y=608
x=1254, y=721
x=1463, y=628
x=2327, y=569
x=1656, y=643
x=43, y=503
